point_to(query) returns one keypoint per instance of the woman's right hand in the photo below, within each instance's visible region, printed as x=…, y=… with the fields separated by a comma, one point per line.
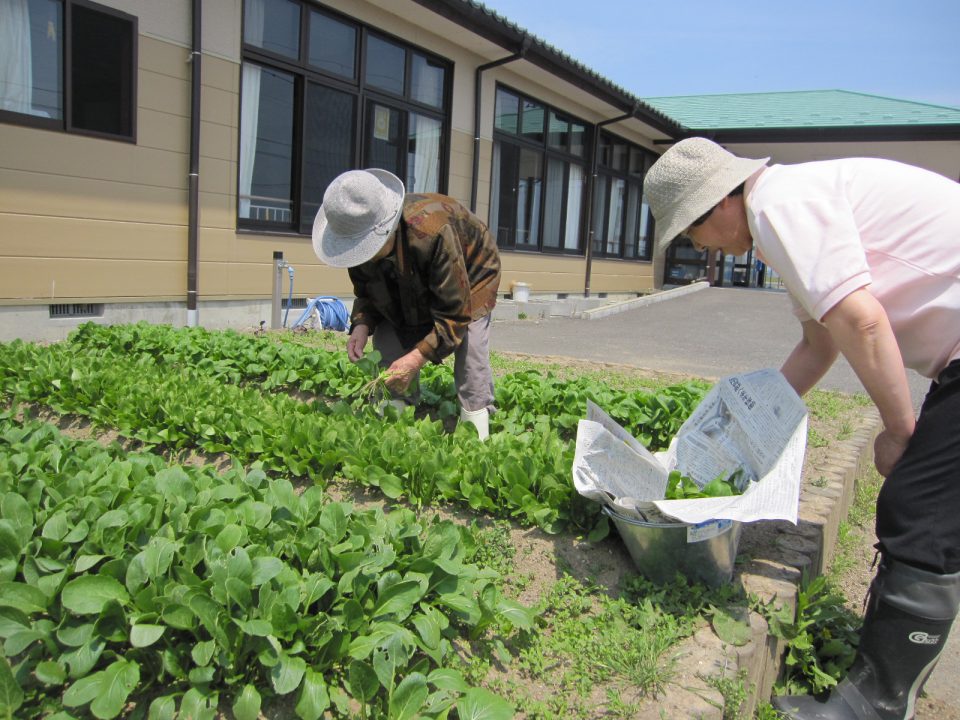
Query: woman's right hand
x=357, y=342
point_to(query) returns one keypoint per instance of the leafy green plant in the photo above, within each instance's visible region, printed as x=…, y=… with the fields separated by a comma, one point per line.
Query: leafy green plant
x=821, y=638
x=124, y=576
x=681, y=487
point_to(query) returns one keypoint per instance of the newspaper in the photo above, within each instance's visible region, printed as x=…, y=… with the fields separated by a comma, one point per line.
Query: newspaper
x=753, y=421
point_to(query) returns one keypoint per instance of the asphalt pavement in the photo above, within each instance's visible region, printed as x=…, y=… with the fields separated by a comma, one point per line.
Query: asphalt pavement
x=710, y=333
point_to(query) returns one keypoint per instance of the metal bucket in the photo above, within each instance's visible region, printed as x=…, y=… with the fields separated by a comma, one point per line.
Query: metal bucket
x=704, y=552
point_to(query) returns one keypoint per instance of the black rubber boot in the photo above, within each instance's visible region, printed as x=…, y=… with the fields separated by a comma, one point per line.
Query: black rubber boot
x=908, y=618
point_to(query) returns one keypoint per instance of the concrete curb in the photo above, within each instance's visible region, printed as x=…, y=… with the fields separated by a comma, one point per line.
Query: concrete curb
x=634, y=303
x=804, y=549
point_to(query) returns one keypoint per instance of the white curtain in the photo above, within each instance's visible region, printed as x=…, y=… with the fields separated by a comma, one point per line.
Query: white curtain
x=574, y=204
x=423, y=165
x=553, y=203
x=16, y=63
x=615, y=222
x=254, y=20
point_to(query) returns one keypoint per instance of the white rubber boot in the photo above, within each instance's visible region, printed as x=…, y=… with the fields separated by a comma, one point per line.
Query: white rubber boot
x=479, y=418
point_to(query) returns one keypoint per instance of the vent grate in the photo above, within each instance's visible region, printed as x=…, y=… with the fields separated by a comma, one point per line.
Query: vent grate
x=297, y=304
x=76, y=310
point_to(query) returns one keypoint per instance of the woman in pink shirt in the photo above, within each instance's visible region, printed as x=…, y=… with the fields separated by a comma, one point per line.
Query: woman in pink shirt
x=869, y=251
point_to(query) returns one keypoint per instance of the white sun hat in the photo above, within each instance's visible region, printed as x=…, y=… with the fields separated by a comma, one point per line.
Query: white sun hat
x=689, y=179
x=360, y=209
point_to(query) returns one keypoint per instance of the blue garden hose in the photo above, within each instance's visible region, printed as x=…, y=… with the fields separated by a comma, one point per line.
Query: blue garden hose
x=333, y=313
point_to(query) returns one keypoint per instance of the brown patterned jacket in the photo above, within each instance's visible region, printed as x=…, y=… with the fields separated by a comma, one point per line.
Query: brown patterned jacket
x=443, y=273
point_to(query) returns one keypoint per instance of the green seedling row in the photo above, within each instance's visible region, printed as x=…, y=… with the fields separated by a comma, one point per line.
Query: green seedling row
x=524, y=476
x=524, y=400
x=122, y=577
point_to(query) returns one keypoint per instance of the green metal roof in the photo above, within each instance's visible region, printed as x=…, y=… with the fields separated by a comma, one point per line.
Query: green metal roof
x=802, y=109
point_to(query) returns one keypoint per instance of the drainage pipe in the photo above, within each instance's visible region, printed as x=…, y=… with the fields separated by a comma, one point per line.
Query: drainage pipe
x=590, y=186
x=193, y=219
x=477, y=93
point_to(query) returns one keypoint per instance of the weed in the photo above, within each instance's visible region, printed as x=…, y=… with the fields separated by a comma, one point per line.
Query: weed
x=821, y=640
x=521, y=316
x=733, y=690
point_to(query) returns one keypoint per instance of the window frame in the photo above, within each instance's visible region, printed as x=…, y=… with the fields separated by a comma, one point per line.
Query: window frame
x=520, y=140
x=65, y=123
x=610, y=173
x=364, y=96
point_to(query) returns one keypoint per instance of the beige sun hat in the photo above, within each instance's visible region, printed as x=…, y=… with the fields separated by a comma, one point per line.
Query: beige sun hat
x=689, y=179
x=360, y=209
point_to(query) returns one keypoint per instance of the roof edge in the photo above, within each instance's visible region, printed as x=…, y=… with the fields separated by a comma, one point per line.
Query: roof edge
x=511, y=37
x=880, y=133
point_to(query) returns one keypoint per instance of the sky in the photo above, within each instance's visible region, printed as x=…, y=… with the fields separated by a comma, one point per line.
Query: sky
x=905, y=49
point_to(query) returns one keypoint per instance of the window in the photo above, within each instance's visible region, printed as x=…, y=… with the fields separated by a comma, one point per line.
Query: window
x=622, y=224
x=322, y=94
x=537, y=187
x=68, y=65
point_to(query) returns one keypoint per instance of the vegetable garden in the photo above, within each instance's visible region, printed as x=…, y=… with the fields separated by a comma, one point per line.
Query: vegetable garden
x=203, y=565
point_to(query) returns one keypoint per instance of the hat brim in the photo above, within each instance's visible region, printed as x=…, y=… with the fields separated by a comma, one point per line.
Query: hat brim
x=703, y=197
x=346, y=252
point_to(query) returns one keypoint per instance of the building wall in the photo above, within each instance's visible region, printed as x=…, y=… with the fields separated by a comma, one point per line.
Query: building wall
x=939, y=156
x=87, y=220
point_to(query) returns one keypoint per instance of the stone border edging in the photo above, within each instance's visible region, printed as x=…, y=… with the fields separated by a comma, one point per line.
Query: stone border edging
x=633, y=303
x=806, y=548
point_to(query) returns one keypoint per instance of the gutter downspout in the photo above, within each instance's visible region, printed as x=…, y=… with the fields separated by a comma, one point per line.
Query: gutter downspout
x=590, y=186
x=193, y=220
x=477, y=92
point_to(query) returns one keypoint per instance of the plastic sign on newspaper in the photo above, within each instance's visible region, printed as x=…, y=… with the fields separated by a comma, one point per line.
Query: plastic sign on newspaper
x=754, y=421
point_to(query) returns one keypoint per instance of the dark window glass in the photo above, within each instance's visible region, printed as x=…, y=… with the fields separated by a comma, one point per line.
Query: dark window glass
x=507, y=112
x=427, y=81
x=599, y=213
x=328, y=145
x=503, y=205
x=333, y=45
x=636, y=161
x=532, y=121
x=578, y=139
x=619, y=156
x=386, y=65
x=266, y=145
x=273, y=25
x=529, y=193
x=558, y=132
x=102, y=72
x=385, y=146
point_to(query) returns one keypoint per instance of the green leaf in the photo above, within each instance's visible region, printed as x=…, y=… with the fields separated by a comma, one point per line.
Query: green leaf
x=23, y=597
x=89, y=594
x=11, y=696
x=144, y=635
x=247, y=705
x=163, y=708
x=480, y=704
x=398, y=599
x=265, y=569
x=51, y=673
x=408, y=698
x=314, y=698
x=362, y=680
x=447, y=679
x=119, y=680
x=730, y=629
x=287, y=674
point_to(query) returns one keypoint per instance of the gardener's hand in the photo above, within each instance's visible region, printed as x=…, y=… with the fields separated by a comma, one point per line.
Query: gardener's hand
x=887, y=451
x=404, y=370
x=357, y=342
